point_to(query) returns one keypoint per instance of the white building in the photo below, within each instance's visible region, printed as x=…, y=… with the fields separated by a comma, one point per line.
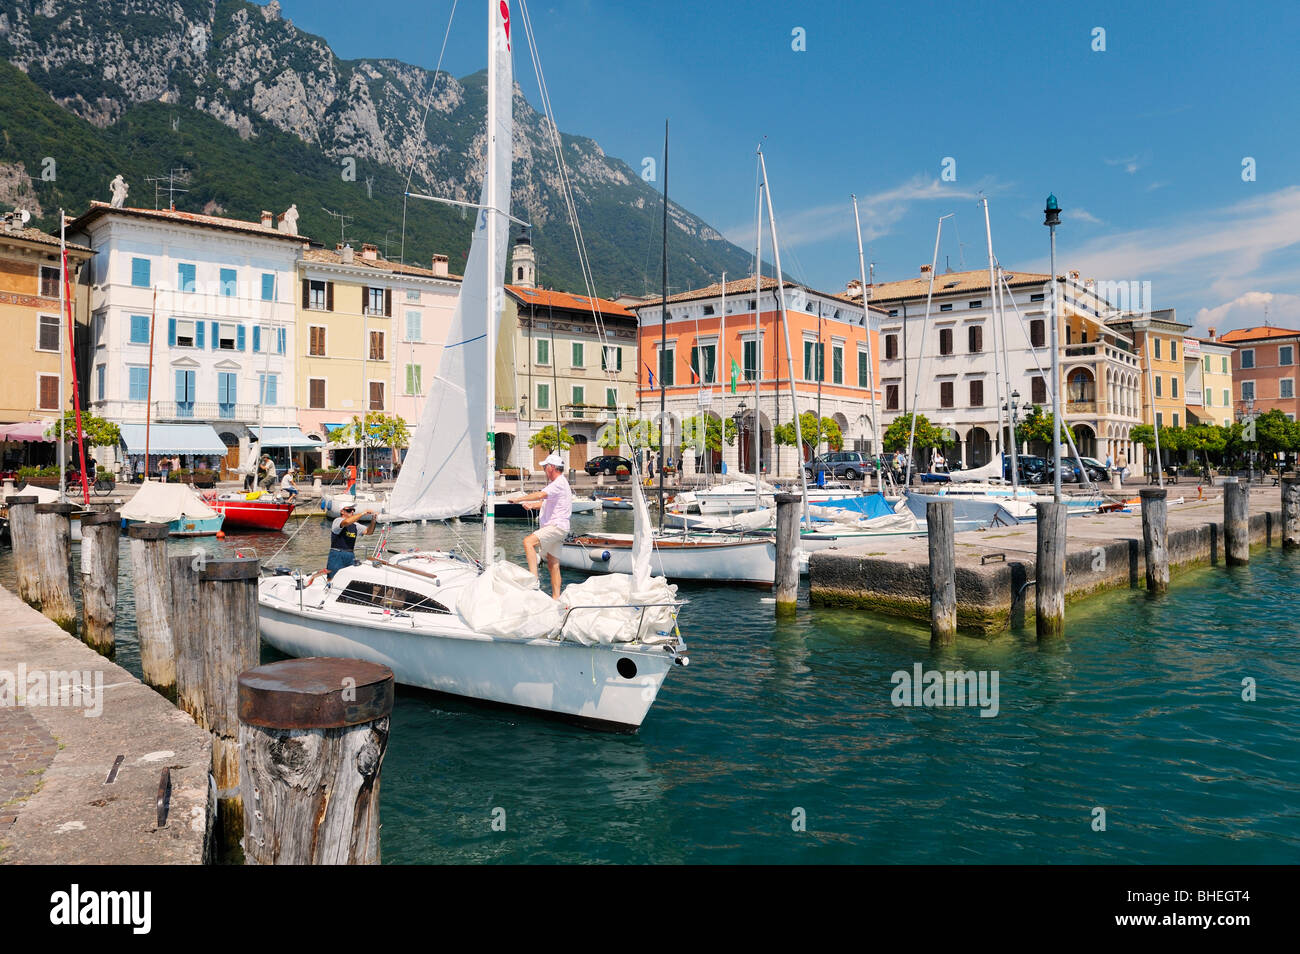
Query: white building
x=211, y=301
x=959, y=364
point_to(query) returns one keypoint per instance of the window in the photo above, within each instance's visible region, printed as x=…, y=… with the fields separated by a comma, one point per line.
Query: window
x=139, y=329
x=1037, y=337
x=315, y=392
x=977, y=394
x=1038, y=391
x=374, y=301
x=268, y=387
x=579, y=399
x=1227, y=397
x=947, y=307
x=863, y=370
x=377, y=596
x=543, y=351
x=47, y=333
x=708, y=309
x=376, y=346
x=99, y=382
x=1248, y=358
x=1175, y=418
x=316, y=346
x=1248, y=390
x=184, y=393
x=749, y=359
x=837, y=364
x=268, y=286
x=945, y=394
x=891, y=347
x=186, y=332
x=893, y=313
x=412, y=294
x=945, y=341
x=49, y=282
x=976, y=304
x=1173, y=386
x=140, y=272
x=814, y=361
x=229, y=281
x=227, y=389
x=414, y=325
x=137, y=384
x=49, y=392
x=543, y=397
x=611, y=398
x=611, y=357
x=1209, y=397
x=228, y=336
x=704, y=363
x=376, y=395
x=1155, y=344
x=413, y=382
x=1173, y=355
x=318, y=296
x=1285, y=355
x=666, y=359
x=1160, y=419
x=577, y=355
x=1158, y=392
x=891, y=397
x=185, y=278
x=975, y=339
x=1224, y=369
x=1286, y=388
x=1207, y=364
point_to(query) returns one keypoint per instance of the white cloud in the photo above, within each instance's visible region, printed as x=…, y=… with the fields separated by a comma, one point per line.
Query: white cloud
x=1083, y=215
x=1248, y=310
x=1131, y=164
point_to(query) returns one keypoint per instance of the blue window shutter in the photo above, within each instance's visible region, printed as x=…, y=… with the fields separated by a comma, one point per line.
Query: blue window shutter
x=239, y=338
x=198, y=334
x=171, y=332
x=257, y=338
x=270, y=389
x=180, y=386
x=216, y=336
x=140, y=272
x=268, y=286
x=282, y=336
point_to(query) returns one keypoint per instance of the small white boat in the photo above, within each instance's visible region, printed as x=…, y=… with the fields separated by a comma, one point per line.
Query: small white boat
x=709, y=557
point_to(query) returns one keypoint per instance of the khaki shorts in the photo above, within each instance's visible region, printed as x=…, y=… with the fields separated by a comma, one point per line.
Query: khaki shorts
x=549, y=539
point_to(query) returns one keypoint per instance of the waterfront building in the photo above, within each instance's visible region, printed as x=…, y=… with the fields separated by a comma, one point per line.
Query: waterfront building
x=30, y=270
x=1157, y=338
x=828, y=334
x=1207, y=367
x=1264, y=370
x=211, y=301
x=369, y=335
x=959, y=363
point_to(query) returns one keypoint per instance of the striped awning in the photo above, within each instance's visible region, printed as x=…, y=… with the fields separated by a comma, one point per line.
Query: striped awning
x=173, y=439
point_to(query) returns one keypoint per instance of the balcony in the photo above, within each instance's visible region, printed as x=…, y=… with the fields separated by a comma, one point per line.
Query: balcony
x=1081, y=350
x=1195, y=397
x=1080, y=407
x=201, y=411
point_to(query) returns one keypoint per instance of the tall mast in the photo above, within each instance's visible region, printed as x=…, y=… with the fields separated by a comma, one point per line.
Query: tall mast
x=722, y=360
x=758, y=344
x=1001, y=442
x=925, y=322
x=1006, y=377
x=63, y=402
x=866, y=320
x=785, y=329
x=663, y=335
x=493, y=276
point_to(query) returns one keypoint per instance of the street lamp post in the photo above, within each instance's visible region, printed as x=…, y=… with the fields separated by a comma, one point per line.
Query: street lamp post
x=1013, y=416
x=1052, y=218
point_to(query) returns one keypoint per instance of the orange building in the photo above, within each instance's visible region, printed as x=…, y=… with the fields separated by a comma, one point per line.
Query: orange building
x=711, y=331
x=1264, y=369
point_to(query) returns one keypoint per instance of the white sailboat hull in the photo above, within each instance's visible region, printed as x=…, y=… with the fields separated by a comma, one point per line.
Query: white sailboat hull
x=718, y=560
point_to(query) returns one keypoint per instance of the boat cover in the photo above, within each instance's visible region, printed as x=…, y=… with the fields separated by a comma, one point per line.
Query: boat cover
x=162, y=503
x=870, y=505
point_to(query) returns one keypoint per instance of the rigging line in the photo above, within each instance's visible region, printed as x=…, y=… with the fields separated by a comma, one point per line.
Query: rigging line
x=424, y=125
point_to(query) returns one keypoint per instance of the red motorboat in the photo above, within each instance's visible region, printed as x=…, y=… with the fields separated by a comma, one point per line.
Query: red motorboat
x=257, y=511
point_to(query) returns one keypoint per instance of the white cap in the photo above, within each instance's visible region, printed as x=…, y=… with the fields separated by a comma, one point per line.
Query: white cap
x=555, y=460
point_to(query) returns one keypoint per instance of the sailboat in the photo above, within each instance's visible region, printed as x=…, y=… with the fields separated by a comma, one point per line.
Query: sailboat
x=442, y=620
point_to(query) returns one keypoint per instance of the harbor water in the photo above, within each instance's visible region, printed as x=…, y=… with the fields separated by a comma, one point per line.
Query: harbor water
x=781, y=742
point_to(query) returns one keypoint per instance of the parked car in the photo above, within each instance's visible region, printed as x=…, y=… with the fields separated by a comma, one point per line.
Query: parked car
x=607, y=464
x=1033, y=469
x=1098, y=471
x=847, y=464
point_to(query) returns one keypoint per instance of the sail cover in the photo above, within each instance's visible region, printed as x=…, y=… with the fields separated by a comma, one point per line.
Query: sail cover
x=990, y=471
x=443, y=473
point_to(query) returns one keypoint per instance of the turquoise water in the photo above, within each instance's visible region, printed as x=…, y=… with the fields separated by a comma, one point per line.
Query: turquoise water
x=1138, y=711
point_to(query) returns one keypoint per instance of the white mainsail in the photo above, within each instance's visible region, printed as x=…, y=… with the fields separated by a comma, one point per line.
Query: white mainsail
x=443, y=473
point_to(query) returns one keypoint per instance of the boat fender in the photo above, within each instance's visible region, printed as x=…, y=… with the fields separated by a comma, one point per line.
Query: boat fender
x=604, y=556
x=324, y=504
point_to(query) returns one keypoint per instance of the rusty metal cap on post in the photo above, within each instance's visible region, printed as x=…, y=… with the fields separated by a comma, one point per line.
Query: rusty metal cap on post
x=787, y=498
x=230, y=568
x=22, y=500
x=64, y=508
x=147, y=531
x=315, y=693
x=1153, y=493
x=100, y=517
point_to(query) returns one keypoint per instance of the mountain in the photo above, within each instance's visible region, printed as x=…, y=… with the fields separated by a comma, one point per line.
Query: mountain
x=261, y=114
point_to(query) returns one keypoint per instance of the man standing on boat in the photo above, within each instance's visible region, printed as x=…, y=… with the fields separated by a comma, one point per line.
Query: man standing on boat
x=343, y=541
x=556, y=502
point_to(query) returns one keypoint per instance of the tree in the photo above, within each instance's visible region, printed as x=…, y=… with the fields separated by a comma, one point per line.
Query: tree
x=927, y=435
x=1037, y=426
x=812, y=433
x=552, y=439
x=377, y=430
x=706, y=432
x=97, y=431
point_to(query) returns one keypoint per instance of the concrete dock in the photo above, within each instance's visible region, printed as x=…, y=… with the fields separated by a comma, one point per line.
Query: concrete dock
x=891, y=575
x=95, y=767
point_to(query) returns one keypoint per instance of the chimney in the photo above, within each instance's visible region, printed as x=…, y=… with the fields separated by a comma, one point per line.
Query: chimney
x=268, y=219
x=854, y=288
x=369, y=252
x=925, y=270
x=1074, y=276
x=1211, y=334
x=440, y=265
x=346, y=253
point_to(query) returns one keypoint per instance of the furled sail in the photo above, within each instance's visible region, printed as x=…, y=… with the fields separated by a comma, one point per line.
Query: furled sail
x=443, y=472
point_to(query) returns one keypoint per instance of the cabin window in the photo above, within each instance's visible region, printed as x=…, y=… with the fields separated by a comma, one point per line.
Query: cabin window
x=381, y=597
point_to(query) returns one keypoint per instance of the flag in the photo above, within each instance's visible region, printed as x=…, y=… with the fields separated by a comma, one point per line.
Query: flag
x=652, y=375
x=735, y=373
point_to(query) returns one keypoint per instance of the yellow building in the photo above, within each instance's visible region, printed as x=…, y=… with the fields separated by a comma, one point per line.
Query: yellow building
x=1208, y=368
x=33, y=330
x=1158, y=341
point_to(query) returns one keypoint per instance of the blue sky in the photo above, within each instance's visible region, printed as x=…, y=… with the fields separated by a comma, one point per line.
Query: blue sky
x=1143, y=142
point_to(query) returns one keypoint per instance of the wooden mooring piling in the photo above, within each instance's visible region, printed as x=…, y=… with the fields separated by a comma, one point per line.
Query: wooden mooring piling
x=786, y=584
x=22, y=533
x=1049, y=583
x=1236, y=533
x=53, y=548
x=100, y=535
x=1155, y=537
x=943, y=573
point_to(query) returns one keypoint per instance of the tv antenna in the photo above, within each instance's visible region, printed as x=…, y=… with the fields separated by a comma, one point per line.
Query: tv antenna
x=173, y=176
x=343, y=222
